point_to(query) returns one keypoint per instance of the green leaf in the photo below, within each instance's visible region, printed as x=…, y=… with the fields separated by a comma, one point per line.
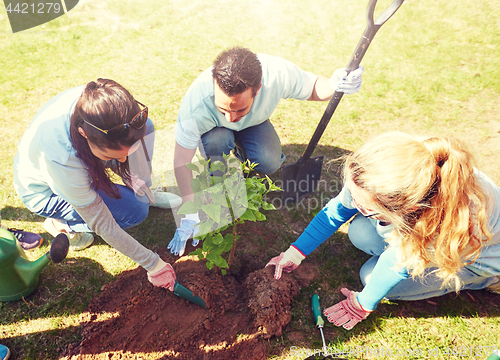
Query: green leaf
x=221, y=262
x=196, y=185
x=252, y=205
x=198, y=252
x=248, y=215
x=224, y=272
x=268, y=206
x=218, y=165
x=216, y=180
x=208, y=244
x=206, y=226
x=218, y=251
x=210, y=265
x=213, y=258
x=227, y=246
x=228, y=238
x=218, y=239
x=192, y=167
x=259, y=216
x=213, y=211
x=188, y=208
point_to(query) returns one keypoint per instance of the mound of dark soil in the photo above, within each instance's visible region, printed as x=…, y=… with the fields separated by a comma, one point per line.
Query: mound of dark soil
x=131, y=319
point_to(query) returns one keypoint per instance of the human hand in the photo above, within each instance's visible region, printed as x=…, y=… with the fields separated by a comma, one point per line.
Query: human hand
x=162, y=275
x=286, y=261
x=187, y=230
x=348, y=312
x=139, y=187
x=348, y=84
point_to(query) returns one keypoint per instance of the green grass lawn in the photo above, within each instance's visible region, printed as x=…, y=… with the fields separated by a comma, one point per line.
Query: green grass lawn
x=432, y=69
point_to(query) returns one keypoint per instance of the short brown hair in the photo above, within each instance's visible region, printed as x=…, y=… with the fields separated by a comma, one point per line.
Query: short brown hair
x=236, y=70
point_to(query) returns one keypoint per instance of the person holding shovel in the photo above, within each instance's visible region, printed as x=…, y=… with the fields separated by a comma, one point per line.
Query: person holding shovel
x=430, y=220
x=227, y=108
x=61, y=170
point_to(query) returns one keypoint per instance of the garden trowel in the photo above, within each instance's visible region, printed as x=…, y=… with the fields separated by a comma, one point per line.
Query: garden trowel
x=302, y=177
x=324, y=353
x=184, y=293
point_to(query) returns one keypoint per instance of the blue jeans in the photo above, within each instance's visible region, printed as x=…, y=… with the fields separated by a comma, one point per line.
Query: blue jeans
x=364, y=236
x=130, y=210
x=259, y=144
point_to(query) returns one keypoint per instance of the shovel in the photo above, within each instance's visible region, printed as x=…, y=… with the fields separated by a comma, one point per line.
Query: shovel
x=302, y=177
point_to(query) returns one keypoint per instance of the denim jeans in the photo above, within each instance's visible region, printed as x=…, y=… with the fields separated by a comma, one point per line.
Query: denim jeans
x=130, y=210
x=259, y=144
x=363, y=235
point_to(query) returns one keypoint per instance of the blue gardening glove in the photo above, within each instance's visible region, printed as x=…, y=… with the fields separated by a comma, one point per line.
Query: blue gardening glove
x=348, y=84
x=183, y=233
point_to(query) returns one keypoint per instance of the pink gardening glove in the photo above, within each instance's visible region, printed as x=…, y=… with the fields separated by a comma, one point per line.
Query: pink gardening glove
x=165, y=277
x=348, y=312
x=286, y=261
x=139, y=186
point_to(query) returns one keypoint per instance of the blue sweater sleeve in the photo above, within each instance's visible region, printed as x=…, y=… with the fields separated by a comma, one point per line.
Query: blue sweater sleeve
x=382, y=280
x=328, y=220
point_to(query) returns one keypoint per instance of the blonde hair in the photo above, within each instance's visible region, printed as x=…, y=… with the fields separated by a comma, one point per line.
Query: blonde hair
x=427, y=189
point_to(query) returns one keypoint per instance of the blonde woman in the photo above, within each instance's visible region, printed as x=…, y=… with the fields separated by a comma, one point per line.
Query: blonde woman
x=430, y=220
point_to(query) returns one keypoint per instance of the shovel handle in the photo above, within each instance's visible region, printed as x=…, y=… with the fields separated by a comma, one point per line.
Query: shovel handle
x=370, y=31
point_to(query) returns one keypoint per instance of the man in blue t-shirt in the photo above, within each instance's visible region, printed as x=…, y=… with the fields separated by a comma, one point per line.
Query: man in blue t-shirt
x=227, y=108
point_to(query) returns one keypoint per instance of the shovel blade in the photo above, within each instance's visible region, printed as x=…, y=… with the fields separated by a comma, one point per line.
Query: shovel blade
x=184, y=293
x=300, y=178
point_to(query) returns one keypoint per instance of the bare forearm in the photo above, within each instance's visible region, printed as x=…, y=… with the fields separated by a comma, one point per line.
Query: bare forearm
x=322, y=90
x=183, y=176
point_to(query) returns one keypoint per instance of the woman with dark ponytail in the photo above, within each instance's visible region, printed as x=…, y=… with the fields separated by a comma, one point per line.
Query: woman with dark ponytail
x=430, y=220
x=62, y=170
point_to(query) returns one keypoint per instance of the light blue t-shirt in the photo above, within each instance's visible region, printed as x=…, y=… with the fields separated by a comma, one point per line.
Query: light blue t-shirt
x=46, y=161
x=198, y=114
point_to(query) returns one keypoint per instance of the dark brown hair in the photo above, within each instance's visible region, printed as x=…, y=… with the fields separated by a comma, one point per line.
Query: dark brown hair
x=105, y=104
x=237, y=70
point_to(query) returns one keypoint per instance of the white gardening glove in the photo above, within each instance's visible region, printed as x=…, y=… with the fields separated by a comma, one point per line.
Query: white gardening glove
x=162, y=275
x=348, y=84
x=286, y=261
x=139, y=186
x=183, y=233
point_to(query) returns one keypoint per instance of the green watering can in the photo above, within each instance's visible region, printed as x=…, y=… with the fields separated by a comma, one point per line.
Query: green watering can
x=18, y=275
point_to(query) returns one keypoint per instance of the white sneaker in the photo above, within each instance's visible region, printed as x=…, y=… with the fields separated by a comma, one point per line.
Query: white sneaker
x=80, y=241
x=165, y=200
x=77, y=241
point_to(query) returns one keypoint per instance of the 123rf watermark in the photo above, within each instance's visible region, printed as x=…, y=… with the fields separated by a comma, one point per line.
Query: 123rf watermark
x=359, y=352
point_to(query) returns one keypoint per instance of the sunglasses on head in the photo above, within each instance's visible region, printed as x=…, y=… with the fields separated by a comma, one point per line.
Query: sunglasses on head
x=121, y=131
